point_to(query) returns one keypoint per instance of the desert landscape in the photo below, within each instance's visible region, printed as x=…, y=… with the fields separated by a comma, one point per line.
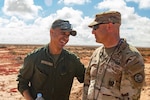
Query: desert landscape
x=11, y=59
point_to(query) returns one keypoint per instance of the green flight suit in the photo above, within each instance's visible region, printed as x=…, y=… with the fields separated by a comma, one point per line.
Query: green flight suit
x=54, y=80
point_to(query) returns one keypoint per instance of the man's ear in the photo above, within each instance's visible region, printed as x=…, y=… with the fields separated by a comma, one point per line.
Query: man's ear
x=51, y=31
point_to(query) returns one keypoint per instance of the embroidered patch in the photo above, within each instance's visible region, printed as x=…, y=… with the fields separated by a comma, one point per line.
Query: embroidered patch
x=138, y=78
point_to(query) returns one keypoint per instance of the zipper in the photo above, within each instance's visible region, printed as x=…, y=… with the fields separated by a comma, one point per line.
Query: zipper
x=54, y=74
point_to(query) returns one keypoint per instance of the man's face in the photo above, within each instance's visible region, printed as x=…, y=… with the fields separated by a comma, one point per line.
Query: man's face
x=100, y=32
x=59, y=37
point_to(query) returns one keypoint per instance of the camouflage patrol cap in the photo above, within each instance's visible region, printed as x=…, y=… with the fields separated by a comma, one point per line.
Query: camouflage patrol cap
x=64, y=25
x=106, y=17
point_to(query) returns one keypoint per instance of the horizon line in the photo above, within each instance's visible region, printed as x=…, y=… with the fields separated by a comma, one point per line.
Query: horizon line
x=2, y=45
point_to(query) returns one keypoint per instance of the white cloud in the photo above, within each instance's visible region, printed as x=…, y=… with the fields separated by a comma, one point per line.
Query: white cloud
x=3, y=21
x=24, y=35
x=38, y=32
x=134, y=27
x=131, y=27
x=21, y=8
x=48, y=2
x=14, y=23
x=79, y=24
x=113, y=4
x=133, y=1
x=79, y=2
x=137, y=30
x=16, y=31
x=143, y=4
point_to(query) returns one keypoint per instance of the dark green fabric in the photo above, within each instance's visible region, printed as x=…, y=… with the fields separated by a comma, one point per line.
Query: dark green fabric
x=54, y=80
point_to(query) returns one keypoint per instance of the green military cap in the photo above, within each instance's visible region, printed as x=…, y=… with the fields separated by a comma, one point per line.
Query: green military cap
x=106, y=17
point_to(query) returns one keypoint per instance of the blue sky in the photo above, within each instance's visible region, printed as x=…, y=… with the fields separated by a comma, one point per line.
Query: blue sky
x=28, y=21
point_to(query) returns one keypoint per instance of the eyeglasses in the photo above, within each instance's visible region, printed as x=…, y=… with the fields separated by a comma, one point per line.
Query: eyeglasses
x=95, y=27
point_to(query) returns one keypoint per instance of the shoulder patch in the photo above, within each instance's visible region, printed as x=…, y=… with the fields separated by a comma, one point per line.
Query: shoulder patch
x=138, y=78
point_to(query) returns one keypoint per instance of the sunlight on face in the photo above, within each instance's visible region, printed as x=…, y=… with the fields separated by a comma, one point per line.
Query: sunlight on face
x=60, y=37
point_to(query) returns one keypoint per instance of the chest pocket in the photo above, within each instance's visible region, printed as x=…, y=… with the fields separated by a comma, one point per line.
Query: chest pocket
x=65, y=72
x=112, y=76
x=38, y=77
x=109, y=74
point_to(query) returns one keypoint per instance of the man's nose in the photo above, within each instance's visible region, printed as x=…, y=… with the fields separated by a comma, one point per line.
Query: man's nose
x=93, y=31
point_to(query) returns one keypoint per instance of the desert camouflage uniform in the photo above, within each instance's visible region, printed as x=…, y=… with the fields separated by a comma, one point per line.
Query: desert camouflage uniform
x=115, y=75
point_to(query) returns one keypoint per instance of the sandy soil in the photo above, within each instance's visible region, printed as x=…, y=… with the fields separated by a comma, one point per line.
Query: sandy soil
x=11, y=59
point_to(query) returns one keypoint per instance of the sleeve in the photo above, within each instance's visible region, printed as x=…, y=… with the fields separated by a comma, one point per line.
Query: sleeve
x=25, y=74
x=86, y=83
x=132, y=77
x=90, y=75
x=80, y=70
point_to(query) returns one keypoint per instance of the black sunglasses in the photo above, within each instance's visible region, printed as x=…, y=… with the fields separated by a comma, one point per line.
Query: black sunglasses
x=95, y=27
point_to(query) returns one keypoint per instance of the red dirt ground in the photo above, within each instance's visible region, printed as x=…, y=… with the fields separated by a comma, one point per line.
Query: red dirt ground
x=11, y=59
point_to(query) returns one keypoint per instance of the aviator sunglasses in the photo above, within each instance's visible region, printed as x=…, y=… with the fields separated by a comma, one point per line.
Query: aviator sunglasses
x=95, y=27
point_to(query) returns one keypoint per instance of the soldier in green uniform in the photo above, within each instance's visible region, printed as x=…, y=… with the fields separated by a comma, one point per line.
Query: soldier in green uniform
x=116, y=69
x=51, y=69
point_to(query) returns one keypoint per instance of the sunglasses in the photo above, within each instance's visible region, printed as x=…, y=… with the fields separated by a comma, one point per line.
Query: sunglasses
x=95, y=27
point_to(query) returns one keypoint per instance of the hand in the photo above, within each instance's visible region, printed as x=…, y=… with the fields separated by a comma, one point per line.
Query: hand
x=27, y=95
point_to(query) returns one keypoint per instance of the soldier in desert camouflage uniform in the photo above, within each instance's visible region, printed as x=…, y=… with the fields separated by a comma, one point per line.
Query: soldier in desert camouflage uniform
x=116, y=69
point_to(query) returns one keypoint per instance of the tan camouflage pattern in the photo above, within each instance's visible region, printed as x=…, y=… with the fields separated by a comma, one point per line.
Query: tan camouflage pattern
x=121, y=78
x=106, y=17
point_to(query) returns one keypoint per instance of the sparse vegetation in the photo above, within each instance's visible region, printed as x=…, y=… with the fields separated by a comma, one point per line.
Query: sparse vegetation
x=12, y=56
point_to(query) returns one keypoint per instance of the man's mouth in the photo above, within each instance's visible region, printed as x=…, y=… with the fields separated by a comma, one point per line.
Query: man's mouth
x=62, y=42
